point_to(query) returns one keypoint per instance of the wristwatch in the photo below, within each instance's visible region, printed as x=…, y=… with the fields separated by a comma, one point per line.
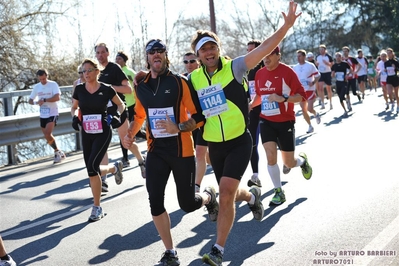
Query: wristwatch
x=285, y=97
x=180, y=126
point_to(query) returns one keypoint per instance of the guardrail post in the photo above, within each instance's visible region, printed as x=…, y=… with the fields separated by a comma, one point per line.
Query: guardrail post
x=11, y=149
x=78, y=141
x=12, y=154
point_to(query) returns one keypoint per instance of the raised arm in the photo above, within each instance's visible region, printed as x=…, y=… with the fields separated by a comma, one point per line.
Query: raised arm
x=266, y=47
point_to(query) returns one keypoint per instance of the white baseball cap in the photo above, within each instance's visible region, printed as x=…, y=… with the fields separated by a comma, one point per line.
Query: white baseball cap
x=204, y=40
x=310, y=54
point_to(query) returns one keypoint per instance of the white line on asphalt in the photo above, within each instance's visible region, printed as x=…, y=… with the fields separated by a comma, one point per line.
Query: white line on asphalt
x=69, y=213
x=379, y=242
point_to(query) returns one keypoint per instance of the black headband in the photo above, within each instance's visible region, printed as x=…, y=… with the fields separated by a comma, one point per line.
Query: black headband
x=123, y=56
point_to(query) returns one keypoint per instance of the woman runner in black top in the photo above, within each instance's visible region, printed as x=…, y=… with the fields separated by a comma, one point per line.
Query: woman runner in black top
x=392, y=67
x=92, y=98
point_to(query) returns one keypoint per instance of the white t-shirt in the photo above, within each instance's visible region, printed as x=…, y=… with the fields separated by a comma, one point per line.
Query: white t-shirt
x=41, y=91
x=323, y=68
x=306, y=73
x=381, y=68
x=363, y=70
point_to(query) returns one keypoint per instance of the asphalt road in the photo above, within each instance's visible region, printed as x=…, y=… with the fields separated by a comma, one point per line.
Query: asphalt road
x=346, y=213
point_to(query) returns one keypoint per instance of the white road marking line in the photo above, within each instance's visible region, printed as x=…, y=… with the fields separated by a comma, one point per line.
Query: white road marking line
x=69, y=213
x=379, y=243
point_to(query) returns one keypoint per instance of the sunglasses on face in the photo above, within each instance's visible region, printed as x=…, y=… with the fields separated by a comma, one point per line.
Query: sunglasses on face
x=80, y=72
x=89, y=70
x=159, y=51
x=191, y=61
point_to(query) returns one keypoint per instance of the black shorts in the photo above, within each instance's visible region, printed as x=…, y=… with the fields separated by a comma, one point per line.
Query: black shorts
x=283, y=133
x=362, y=78
x=131, y=112
x=231, y=158
x=123, y=118
x=393, y=80
x=326, y=78
x=45, y=121
x=197, y=137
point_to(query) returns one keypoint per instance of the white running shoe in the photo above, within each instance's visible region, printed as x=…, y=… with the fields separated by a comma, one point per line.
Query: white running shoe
x=96, y=214
x=62, y=154
x=59, y=156
x=310, y=129
x=9, y=262
x=318, y=119
x=254, y=181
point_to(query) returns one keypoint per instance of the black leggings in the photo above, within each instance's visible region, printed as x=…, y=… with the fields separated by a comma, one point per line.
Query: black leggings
x=158, y=168
x=94, y=148
x=342, y=90
x=352, y=85
x=253, y=128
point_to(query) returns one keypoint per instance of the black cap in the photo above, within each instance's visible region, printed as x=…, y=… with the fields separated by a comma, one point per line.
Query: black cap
x=155, y=44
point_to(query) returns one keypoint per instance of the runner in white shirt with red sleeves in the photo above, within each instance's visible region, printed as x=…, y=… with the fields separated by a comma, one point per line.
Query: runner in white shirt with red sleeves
x=381, y=71
x=324, y=61
x=308, y=76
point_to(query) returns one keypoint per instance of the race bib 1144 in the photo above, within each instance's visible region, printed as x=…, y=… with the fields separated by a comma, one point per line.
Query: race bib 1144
x=213, y=101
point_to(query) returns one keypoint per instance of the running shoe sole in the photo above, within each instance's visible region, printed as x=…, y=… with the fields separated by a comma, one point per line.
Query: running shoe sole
x=286, y=170
x=254, y=183
x=206, y=259
x=118, y=174
x=257, y=209
x=213, y=214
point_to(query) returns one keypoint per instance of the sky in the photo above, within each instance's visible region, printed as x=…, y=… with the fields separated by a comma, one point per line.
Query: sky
x=98, y=18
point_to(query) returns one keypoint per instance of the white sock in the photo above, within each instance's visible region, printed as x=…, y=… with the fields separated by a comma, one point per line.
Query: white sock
x=299, y=161
x=219, y=247
x=274, y=172
x=252, y=200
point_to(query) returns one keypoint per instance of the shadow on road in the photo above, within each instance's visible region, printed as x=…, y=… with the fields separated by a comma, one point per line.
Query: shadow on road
x=387, y=116
x=45, y=179
x=42, y=245
x=243, y=241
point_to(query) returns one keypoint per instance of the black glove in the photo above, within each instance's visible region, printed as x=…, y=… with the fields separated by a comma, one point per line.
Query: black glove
x=76, y=123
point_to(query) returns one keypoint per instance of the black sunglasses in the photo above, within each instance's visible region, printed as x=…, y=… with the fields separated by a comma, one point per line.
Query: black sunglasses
x=159, y=51
x=191, y=61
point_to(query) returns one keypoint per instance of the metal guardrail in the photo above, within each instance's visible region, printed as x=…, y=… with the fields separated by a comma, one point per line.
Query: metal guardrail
x=21, y=128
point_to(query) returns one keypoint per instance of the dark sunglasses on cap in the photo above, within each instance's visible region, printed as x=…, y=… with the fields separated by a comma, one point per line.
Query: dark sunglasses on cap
x=159, y=51
x=191, y=61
